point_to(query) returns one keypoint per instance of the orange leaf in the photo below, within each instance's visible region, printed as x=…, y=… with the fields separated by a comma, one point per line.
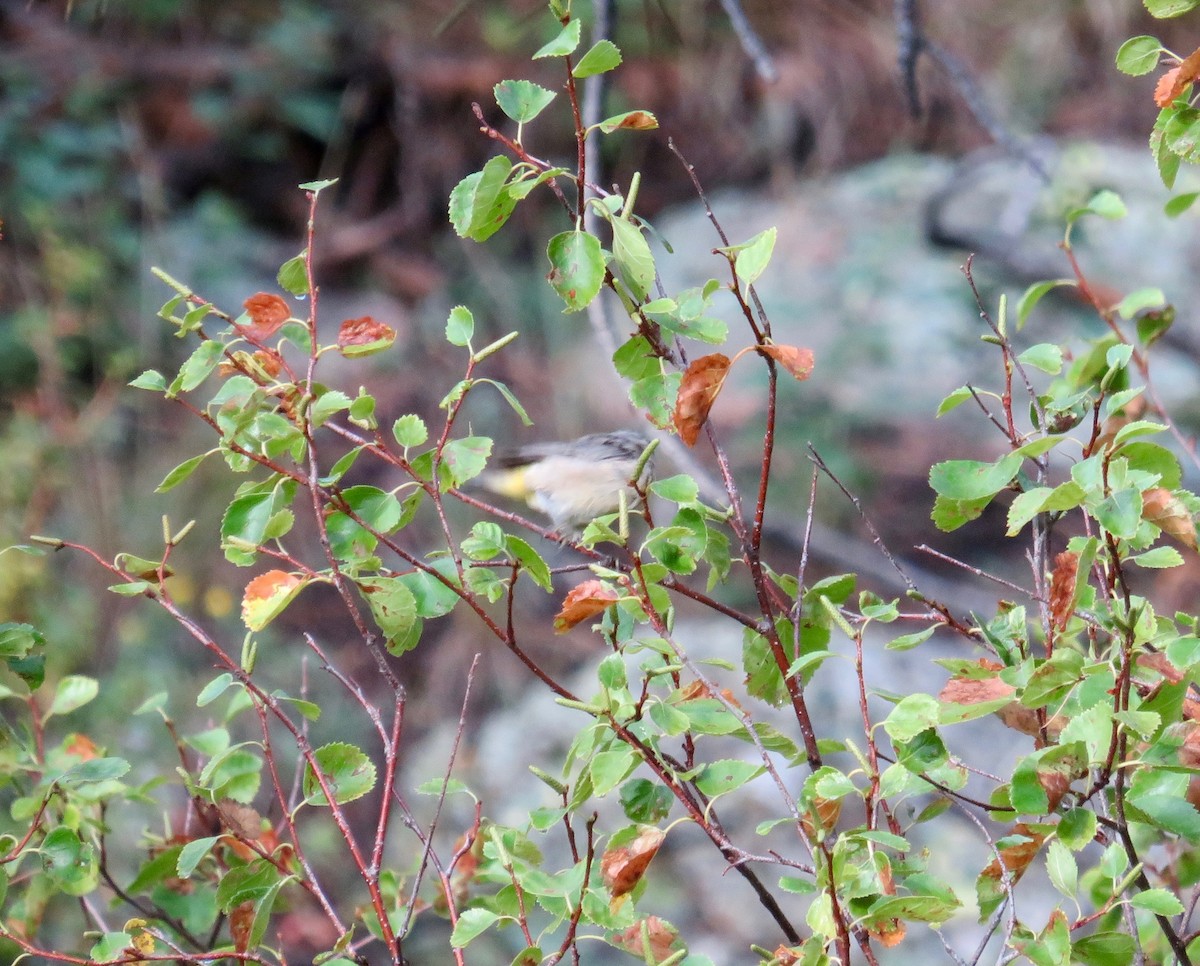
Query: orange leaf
x=586, y=600
x=623, y=867
x=267, y=595
x=267, y=313
x=798, y=362
x=81, y=746
x=637, y=121
x=1016, y=857
x=1173, y=82
x=697, y=392
x=363, y=336
x=1062, y=589
x=1162, y=508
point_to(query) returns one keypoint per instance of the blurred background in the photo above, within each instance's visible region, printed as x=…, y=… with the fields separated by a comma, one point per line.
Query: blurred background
x=173, y=133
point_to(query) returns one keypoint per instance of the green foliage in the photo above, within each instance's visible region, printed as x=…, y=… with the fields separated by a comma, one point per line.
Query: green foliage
x=1087, y=680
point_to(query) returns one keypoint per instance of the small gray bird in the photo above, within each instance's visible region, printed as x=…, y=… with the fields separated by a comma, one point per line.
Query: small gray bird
x=572, y=483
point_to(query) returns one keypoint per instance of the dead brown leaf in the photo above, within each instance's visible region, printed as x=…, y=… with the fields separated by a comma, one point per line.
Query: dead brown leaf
x=702, y=381
x=586, y=600
x=623, y=867
x=798, y=362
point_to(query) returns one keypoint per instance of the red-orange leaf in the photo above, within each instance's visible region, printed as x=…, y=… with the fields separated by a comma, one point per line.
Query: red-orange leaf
x=360, y=337
x=1173, y=82
x=267, y=313
x=267, y=595
x=798, y=362
x=586, y=600
x=697, y=392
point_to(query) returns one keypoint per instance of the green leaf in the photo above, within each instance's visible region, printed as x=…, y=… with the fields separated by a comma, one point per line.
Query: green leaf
x=1164, y=9
x=753, y=257
x=392, y=605
x=326, y=405
x=460, y=326
x=73, y=692
x=1046, y=357
x=198, y=366
x=609, y=768
x=466, y=458
x=914, y=714
x=522, y=100
x=1180, y=203
x=1077, y=828
x=152, y=380
x=726, y=775
x=1120, y=513
x=531, y=561
x=603, y=57
x=562, y=45
x=17, y=640
x=681, y=489
x=472, y=923
x=973, y=480
x=94, y=770
x=433, y=598
x=1140, y=300
x=1034, y=294
x=1105, y=203
x=410, y=430
x=576, y=268
x=180, y=473
x=1138, y=55
x=1104, y=948
x=1158, y=901
x=645, y=801
x=316, y=187
x=954, y=400
x=348, y=772
x=1160, y=558
x=293, y=275
x=479, y=205
x=631, y=253
x=1170, y=813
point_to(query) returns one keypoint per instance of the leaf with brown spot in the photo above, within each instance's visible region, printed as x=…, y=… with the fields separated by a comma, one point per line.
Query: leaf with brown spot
x=786, y=956
x=363, y=336
x=1062, y=589
x=1162, y=508
x=267, y=313
x=697, y=392
x=652, y=936
x=623, y=867
x=698, y=690
x=1174, y=81
x=798, y=362
x=586, y=600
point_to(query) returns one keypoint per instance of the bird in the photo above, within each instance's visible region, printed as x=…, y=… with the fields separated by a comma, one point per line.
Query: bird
x=571, y=482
